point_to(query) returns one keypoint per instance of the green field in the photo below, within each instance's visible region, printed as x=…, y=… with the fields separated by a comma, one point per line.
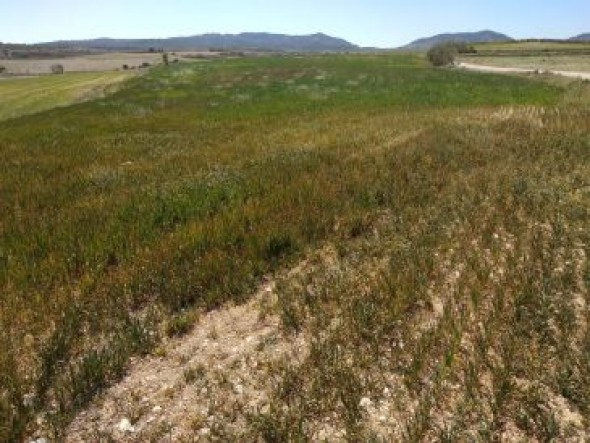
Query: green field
x=533, y=46
x=124, y=216
x=27, y=95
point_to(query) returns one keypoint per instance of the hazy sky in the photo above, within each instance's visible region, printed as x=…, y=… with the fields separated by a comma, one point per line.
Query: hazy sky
x=383, y=23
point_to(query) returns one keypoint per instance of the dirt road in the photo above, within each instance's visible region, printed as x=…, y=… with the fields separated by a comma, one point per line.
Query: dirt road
x=483, y=68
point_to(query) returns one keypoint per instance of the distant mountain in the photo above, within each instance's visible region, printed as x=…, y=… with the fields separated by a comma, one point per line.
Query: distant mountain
x=463, y=37
x=582, y=37
x=245, y=41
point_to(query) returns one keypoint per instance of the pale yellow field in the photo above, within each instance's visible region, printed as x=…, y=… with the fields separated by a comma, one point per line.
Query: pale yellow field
x=86, y=63
x=28, y=95
x=574, y=63
x=532, y=46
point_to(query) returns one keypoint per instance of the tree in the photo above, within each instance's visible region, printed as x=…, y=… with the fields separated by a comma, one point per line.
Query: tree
x=165, y=58
x=57, y=69
x=442, y=55
x=2, y=69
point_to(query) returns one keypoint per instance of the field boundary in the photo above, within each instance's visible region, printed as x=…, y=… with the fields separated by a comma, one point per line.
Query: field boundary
x=514, y=70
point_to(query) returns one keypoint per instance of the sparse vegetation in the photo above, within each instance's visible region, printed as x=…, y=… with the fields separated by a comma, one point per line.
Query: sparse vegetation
x=57, y=69
x=542, y=55
x=460, y=273
x=79, y=63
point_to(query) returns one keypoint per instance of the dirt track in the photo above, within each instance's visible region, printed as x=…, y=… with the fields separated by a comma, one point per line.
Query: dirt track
x=483, y=68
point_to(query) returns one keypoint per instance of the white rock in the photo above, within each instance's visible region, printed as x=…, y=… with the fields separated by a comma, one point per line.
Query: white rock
x=29, y=401
x=365, y=402
x=40, y=440
x=157, y=409
x=386, y=392
x=125, y=426
x=238, y=389
x=205, y=431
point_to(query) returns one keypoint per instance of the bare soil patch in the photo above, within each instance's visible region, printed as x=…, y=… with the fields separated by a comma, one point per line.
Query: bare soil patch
x=86, y=63
x=519, y=70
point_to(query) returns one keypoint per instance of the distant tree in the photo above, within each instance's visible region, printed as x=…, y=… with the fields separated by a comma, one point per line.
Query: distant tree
x=145, y=65
x=2, y=69
x=464, y=48
x=165, y=58
x=125, y=67
x=442, y=55
x=57, y=69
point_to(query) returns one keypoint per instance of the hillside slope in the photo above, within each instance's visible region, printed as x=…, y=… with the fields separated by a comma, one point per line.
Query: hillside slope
x=582, y=37
x=249, y=40
x=465, y=37
x=414, y=242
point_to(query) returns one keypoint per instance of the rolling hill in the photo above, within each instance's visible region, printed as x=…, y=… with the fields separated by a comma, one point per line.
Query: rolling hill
x=245, y=41
x=467, y=37
x=582, y=37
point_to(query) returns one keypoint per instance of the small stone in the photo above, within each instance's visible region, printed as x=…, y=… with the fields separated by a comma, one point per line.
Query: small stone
x=205, y=431
x=157, y=409
x=29, y=400
x=386, y=392
x=365, y=402
x=126, y=426
x=238, y=389
x=40, y=440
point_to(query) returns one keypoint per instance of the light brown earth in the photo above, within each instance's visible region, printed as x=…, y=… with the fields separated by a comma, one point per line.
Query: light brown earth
x=504, y=69
x=86, y=63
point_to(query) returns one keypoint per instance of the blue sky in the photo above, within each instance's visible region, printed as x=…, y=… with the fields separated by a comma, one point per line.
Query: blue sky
x=383, y=23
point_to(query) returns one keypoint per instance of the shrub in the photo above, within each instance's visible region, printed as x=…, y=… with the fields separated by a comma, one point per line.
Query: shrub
x=125, y=67
x=57, y=69
x=181, y=324
x=165, y=58
x=442, y=55
x=2, y=69
x=464, y=48
x=278, y=246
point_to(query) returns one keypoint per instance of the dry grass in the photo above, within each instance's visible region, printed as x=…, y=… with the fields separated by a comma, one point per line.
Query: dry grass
x=574, y=63
x=533, y=46
x=455, y=206
x=88, y=63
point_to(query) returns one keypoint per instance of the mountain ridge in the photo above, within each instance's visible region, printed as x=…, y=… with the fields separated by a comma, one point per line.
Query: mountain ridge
x=582, y=37
x=457, y=37
x=242, y=41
